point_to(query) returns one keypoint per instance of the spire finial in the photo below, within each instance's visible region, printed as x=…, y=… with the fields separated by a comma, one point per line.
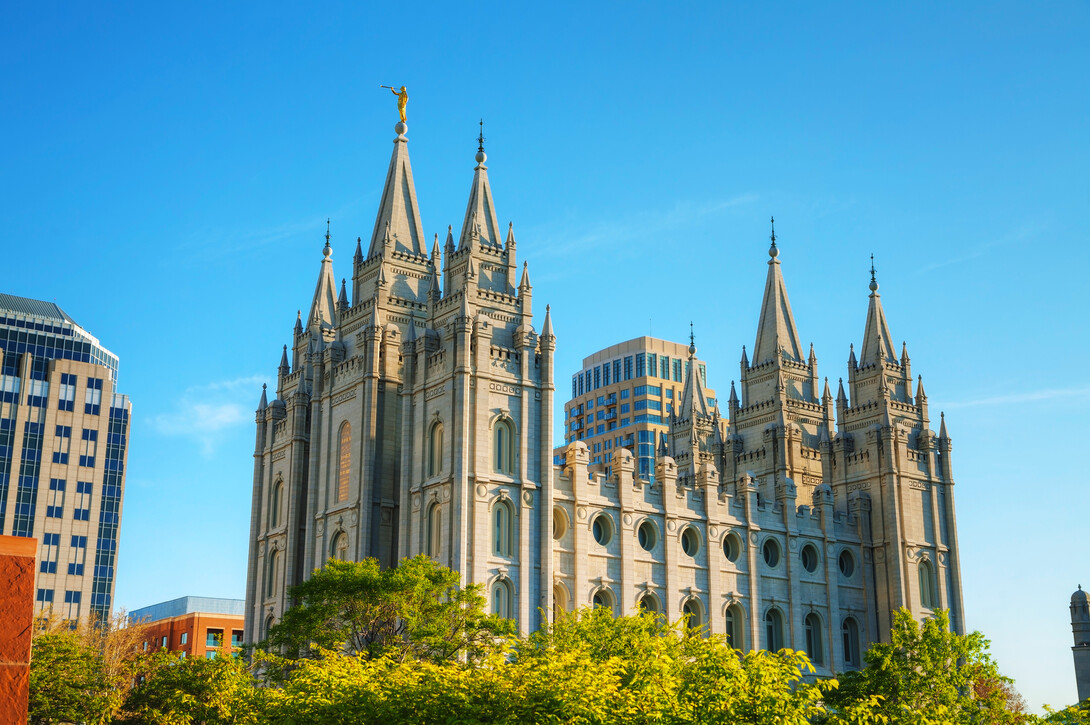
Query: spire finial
x=873, y=281
x=481, y=155
x=326, y=251
x=692, y=340
x=773, y=251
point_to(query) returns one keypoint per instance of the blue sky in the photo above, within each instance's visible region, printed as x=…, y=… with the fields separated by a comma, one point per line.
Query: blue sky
x=167, y=173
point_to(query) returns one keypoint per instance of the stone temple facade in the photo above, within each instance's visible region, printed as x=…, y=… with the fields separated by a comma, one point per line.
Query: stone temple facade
x=417, y=418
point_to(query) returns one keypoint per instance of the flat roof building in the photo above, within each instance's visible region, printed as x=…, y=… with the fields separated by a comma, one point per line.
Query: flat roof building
x=63, y=445
x=194, y=626
x=623, y=398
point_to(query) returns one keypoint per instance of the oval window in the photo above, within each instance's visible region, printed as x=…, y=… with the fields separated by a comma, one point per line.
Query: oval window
x=602, y=529
x=732, y=547
x=690, y=541
x=846, y=563
x=809, y=558
x=646, y=535
x=771, y=552
x=560, y=523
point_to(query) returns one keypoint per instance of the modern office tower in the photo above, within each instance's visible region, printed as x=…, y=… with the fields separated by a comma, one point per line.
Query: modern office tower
x=623, y=397
x=195, y=626
x=63, y=435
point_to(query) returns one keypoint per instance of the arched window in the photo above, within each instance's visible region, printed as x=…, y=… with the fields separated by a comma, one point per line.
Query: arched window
x=503, y=543
x=560, y=523
x=694, y=612
x=339, y=549
x=928, y=599
x=814, y=644
x=435, y=449
x=602, y=598
x=501, y=599
x=648, y=603
x=434, y=529
x=503, y=446
x=850, y=632
x=269, y=622
x=273, y=573
x=344, y=461
x=275, y=503
x=560, y=601
x=734, y=627
x=773, y=630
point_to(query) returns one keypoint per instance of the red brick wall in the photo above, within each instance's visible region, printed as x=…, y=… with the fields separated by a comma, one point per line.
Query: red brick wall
x=17, y=556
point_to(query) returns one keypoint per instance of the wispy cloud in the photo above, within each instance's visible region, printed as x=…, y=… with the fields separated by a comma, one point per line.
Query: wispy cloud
x=1032, y=396
x=203, y=412
x=1021, y=234
x=563, y=241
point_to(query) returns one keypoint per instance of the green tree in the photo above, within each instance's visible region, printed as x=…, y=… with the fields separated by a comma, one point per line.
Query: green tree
x=929, y=675
x=68, y=682
x=177, y=690
x=415, y=610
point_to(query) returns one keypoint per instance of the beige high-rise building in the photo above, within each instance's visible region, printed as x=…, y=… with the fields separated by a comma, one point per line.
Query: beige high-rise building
x=417, y=418
x=623, y=397
x=63, y=444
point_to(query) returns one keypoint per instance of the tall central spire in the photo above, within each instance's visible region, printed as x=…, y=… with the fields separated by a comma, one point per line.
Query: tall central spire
x=398, y=207
x=877, y=341
x=776, y=328
x=480, y=219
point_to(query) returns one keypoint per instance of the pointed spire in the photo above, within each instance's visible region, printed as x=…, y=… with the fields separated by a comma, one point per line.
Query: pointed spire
x=943, y=436
x=324, y=305
x=693, y=400
x=471, y=272
x=449, y=246
x=464, y=312
x=342, y=300
x=435, y=250
x=920, y=394
x=480, y=217
x=298, y=323
x=525, y=283
x=398, y=213
x=852, y=364
x=357, y=258
x=733, y=401
x=841, y=396
x=826, y=396
x=510, y=243
x=745, y=358
x=410, y=334
x=381, y=277
x=264, y=402
x=284, y=367
x=776, y=326
x=904, y=353
x=812, y=357
x=877, y=341
x=435, y=290
x=662, y=446
x=547, y=325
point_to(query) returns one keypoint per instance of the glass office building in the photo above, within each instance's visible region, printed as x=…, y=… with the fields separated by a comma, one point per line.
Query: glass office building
x=63, y=443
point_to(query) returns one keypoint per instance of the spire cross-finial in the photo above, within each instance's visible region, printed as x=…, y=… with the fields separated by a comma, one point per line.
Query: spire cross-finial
x=773, y=236
x=692, y=337
x=872, y=268
x=480, y=137
x=327, y=231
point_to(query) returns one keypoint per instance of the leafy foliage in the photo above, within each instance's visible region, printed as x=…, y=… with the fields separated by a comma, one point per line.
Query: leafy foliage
x=416, y=610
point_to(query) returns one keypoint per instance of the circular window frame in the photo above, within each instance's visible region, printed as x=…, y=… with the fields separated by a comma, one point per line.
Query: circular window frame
x=735, y=543
x=816, y=558
x=846, y=555
x=692, y=536
x=560, y=523
x=772, y=545
x=606, y=527
x=652, y=535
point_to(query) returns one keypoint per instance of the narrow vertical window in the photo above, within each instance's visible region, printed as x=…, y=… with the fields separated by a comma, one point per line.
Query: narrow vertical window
x=503, y=447
x=927, y=585
x=434, y=524
x=501, y=599
x=850, y=633
x=734, y=626
x=502, y=539
x=773, y=630
x=271, y=575
x=339, y=549
x=435, y=449
x=814, y=644
x=275, y=503
x=344, y=461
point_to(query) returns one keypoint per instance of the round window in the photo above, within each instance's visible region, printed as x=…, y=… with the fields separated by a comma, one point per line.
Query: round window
x=732, y=547
x=560, y=523
x=646, y=535
x=846, y=563
x=809, y=558
x=771, y=552
x=602, y=529
x=690, y=541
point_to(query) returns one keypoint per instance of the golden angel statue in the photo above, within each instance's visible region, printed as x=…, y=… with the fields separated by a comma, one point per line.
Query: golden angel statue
x=402, y=99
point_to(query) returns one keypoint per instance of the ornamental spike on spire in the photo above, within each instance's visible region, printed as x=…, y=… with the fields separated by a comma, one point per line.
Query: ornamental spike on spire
x=342, y=299
x=435, y=251
x=694, y=402
x=264, y=402
x=480, y=218
x=943, y=435
x=357, y=258
x=284, y=367
x=547, y=325
x=776, y=326
x=510, y=243
x=298, y=323
x=877, y=340
x=920, y=394
x=525, y=282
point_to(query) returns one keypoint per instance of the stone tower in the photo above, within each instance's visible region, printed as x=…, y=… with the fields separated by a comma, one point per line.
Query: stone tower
x=1080, y=628
x=403, y=418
